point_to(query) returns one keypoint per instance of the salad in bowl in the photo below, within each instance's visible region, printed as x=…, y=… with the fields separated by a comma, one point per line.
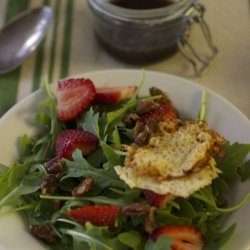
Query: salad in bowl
x=112, y=168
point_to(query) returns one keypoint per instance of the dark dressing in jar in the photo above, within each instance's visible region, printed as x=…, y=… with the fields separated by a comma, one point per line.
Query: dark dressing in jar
x=141, y=4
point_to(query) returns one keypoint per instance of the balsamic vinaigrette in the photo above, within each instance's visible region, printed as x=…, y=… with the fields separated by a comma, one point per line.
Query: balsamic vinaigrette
x=141, y=4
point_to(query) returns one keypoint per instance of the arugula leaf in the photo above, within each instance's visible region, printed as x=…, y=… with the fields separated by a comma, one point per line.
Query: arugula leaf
x=41, y=118
x=225, y=236
x=95, y=199
x=166, y=217
x=132, y=239
x=162, y=243
x=80, y=167
x=142, y=81
x=220, y=186
x=10, y=179
x=245, y=171
x=25, y=145
x=98, y=238
x=110, y=154
x=89, y=122
x=235, y=156
x=116, y=137
x=202, y=112
x=128, y=133
x=18, y=184
x=216, y=241
x=186, y=209
x=206, y=195
x=96, y=158
x=47, y=117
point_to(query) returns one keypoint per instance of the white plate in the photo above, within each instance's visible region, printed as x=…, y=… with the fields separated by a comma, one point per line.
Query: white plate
x=186, y=95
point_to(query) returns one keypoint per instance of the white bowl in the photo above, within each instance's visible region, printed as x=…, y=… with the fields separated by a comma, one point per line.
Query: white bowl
x=186, y=96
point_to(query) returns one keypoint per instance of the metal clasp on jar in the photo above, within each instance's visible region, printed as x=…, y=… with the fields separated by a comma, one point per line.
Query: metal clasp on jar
x=200, y=64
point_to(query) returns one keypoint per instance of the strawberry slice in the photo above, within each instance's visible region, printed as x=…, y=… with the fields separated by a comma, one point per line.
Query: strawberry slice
x=161, y=113
x=71, y=139
x=96, y=215
x=114, y=95
x=73, y=96
x=157, y=200
x=184, y=237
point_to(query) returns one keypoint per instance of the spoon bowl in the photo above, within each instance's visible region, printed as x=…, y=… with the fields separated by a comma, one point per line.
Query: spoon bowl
x=20, y=37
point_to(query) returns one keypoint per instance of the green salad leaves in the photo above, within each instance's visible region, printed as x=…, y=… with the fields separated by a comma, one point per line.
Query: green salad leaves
x=20, y=184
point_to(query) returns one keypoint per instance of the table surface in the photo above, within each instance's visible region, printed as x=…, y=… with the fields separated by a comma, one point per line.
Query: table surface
x=71, y=48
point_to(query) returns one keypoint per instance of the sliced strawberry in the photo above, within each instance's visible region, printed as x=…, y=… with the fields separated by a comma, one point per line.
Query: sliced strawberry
x=184, y=237
x=162, y=113
x=96, y=215
x=71, y=139
x=157, y=200
x=73, y=96
x=114, y=95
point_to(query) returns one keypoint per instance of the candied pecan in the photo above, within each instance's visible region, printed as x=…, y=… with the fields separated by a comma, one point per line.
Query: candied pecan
x=136, y=209
x=130, y=118
x=145, y=106
x=139, y=127
x=44, y=232
x=164, y=99
x=54, y=166
x=155, y=91
x=151, y=126
x=49, y=184
x=149, y=220
x=83, y=187
x=142, y=138
x=144, y=132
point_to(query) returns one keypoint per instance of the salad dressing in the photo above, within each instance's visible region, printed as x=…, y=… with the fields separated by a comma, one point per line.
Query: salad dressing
x=141, y=4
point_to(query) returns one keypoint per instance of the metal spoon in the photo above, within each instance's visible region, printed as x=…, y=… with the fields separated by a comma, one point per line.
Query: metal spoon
x=22, y=36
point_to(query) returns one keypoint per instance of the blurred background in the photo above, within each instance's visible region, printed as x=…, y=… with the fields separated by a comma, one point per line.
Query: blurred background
x=70, y=48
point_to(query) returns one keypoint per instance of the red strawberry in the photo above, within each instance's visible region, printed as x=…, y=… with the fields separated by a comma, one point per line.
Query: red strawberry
x=157, y=200
x=96, y=215
x=73, y=96
x=71, y=139
x=114, y=95
x=162, y=113
x=184, y=237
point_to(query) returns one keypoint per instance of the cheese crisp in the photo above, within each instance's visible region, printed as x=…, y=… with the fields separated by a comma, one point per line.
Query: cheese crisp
x=177, y=160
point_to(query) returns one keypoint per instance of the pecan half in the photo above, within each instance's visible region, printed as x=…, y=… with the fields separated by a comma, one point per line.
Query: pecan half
x=49, y=184
x=142, y=138
x=44, y=232
x=145, y=106
x=149, y=220
x=136, y=209
x=83, y=187
x=139, y=127
x=151, y=126
x=130, y=118
x=54, y=166
x=164, y=99
x=144, y=132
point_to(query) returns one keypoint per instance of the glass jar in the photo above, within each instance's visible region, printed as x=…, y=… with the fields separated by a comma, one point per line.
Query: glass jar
x=142, y=35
